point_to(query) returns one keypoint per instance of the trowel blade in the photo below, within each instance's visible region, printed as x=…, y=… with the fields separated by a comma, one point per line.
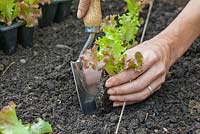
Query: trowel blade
x=86, y=81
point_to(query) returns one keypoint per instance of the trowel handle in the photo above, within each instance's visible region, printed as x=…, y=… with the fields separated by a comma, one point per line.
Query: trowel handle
x=93, y=17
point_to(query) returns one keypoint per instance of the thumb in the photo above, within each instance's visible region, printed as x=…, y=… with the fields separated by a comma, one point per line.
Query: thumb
x=83, y=8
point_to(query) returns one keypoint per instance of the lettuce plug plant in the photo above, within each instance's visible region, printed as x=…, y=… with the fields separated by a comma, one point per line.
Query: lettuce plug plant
x=10, y=124
x=27, y=10
x=30, y=11
x=9, y=11
x=120, y=32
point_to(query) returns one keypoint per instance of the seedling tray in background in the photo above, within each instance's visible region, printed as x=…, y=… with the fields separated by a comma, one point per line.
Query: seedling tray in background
x=13, y=34
x=8, y=37
x=63, y=10
x=54, y=12
x=25, y=36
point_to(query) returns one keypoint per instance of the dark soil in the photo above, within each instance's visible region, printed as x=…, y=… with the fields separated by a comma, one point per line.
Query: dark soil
x=40, y=82
x=104, y=105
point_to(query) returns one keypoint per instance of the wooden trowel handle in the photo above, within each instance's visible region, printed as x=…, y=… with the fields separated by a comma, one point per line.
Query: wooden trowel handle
x=93, y=17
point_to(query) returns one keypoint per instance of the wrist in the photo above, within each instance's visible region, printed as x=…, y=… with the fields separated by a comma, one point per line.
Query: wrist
x=168, y=48
x=180, y=34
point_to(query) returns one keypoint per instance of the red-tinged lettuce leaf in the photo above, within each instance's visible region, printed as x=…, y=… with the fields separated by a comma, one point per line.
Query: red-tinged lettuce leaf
x=44, y=2
x=136, y=62
x=10, y=124
x=139, y=58
x=33, y=2
x=89, y=59
x=119, y=35
x=144, y=2
x=30, y=12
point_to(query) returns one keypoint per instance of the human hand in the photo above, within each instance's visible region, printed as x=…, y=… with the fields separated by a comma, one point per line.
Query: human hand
x=133, y=87
x=83, y=8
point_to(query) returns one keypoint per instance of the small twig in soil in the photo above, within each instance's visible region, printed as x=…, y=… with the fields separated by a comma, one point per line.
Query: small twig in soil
x=64, y=47
x=141, y=40
x=120, y=118
x=147, y=21
x=104, y=129
x=146, y=116
x=6, y=69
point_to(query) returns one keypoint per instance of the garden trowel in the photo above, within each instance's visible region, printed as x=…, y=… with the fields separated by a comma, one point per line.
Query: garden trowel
x=86, y=79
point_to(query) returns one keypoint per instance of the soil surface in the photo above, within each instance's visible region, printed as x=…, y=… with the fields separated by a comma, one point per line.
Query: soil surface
x=40, y=82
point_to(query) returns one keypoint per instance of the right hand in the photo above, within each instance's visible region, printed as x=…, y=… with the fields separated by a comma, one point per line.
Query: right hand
x=132, y=86
x=83, y=8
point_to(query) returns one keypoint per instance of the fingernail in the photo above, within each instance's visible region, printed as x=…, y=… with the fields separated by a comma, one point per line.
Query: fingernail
x=111, y=98
x=108, y=83
x=79, y=15
x=116, y=105
x=110, y=91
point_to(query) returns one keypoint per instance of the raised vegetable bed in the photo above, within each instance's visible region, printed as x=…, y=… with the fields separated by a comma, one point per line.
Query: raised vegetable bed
x=44, y=87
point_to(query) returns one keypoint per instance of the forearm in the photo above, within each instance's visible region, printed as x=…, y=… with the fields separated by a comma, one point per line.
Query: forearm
x=182, y=31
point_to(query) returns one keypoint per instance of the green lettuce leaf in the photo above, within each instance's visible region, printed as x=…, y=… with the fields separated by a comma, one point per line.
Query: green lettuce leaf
x=119, y=35
x=41, y=127
x=10, y=124
x=8, y=11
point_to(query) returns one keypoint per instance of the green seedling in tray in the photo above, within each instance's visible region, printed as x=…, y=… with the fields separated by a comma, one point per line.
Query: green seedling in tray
x=27, y=10
x=9, y=11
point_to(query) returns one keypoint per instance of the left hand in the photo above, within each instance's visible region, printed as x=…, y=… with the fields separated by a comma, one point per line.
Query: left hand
x=83, y=8
x=133, y=87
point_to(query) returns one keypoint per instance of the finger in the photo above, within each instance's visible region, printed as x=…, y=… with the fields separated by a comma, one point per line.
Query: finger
x=135, y=97
x=156, y=85
x=138, y=84
x=83, y=8
x=119, y=103
x=139, y=96
x=149, y=60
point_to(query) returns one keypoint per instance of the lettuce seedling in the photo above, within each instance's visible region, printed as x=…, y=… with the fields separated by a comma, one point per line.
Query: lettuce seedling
x=30, y=11
x=9, y=11
x=10, y=124
x=44, y=2
x=120, y=32
x=27, y=10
